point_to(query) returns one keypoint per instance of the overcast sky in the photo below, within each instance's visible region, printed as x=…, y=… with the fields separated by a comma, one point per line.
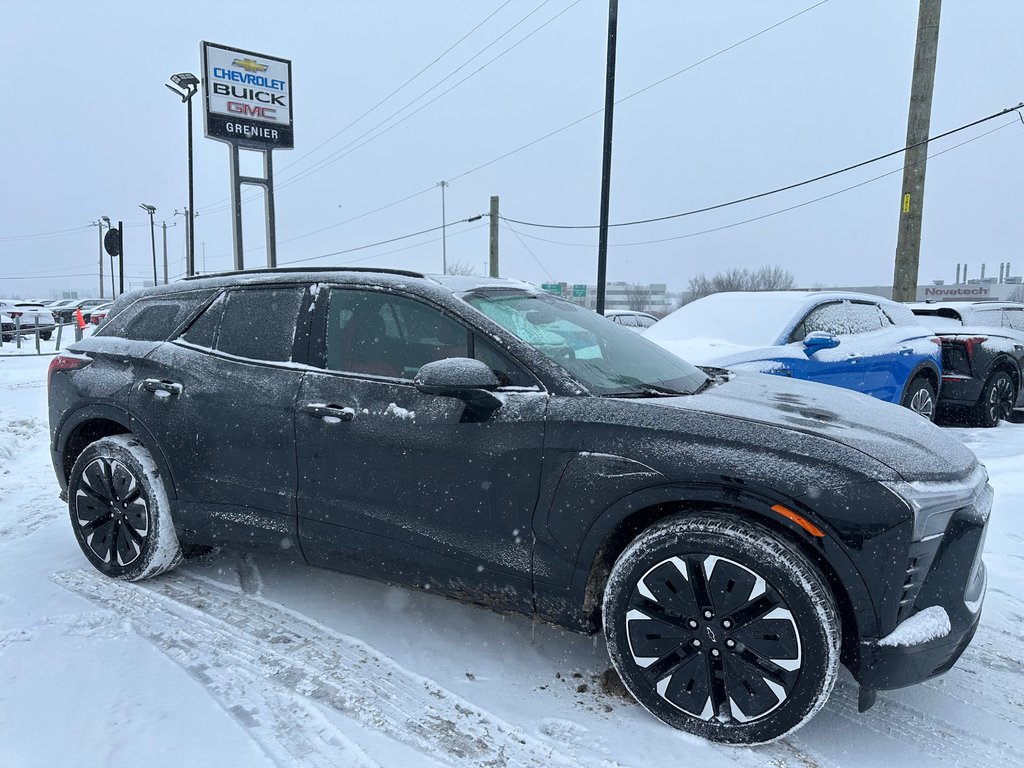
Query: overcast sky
x=90, y=130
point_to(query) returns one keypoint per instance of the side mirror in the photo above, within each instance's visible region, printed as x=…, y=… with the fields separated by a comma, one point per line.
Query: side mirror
x=471, y=381
x=818, y=340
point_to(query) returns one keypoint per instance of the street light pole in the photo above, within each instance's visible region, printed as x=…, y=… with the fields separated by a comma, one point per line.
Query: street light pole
x=186, y=85
x=152, y=236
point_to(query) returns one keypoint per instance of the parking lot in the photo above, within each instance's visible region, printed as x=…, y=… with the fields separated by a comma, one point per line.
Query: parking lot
x=239, y=659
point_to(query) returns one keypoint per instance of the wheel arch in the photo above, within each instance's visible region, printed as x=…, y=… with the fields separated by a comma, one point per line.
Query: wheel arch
x=94, y=422
x=929, y=370
x=1009, y=365
x=857, y=617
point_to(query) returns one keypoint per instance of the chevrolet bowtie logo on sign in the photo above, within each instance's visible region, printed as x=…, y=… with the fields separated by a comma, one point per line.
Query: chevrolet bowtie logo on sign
x=248, y=97
x=249, y=65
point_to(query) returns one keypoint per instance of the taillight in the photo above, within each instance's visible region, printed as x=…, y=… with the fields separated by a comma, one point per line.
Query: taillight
x=969, y=343
x=65, y=363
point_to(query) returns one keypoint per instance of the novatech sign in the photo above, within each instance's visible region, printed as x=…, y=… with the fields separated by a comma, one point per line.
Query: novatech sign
x=248, y=98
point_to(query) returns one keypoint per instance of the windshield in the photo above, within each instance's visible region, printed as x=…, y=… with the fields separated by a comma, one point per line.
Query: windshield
x=608, y=358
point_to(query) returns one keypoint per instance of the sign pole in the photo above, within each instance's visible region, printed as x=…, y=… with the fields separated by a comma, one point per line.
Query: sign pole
x=236, y=208
x=120, y=261
x=268, y=173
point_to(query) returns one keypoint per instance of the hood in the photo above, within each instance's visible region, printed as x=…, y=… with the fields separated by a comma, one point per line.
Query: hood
x=897, y=437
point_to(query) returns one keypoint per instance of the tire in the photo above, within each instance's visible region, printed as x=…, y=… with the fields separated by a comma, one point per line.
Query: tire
x=46, y=336
x=998, y=397
x=919, y=396
x=717, y=677
x=137, y=540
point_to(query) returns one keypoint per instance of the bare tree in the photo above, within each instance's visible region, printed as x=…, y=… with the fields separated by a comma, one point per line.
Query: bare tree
x=767, y=278
x=638, y=296
x=460, y=267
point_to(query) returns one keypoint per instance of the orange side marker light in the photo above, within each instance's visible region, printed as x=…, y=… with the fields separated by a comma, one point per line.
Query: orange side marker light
x=807, y=525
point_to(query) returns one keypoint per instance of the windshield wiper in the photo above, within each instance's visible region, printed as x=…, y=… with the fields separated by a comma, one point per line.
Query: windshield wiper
x=649, y=390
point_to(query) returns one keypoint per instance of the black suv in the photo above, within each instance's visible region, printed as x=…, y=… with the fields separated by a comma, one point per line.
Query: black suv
x=982, y=358
x=736, y=536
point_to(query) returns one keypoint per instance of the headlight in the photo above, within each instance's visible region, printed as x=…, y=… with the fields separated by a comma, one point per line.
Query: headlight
x=933, y=504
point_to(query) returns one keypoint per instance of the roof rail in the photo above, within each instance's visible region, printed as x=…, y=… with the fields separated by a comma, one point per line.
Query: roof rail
x=290, y=270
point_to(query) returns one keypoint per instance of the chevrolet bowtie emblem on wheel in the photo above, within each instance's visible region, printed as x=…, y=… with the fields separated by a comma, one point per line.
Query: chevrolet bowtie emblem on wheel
x=249, y=65
x=711, y=634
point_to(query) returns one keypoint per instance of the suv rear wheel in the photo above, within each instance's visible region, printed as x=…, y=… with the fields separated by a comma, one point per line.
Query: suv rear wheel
x=120, y=511
x=719, y=627
x=998, y=397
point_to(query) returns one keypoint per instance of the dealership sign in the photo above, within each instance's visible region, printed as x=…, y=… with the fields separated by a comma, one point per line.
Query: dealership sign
x=248, y=98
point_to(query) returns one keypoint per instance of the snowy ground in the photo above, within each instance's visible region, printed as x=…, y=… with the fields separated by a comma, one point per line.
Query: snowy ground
x=249, y=661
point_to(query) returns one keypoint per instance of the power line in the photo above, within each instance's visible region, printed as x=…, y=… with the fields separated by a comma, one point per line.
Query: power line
x=45, y=277
x=777, y=190
x=528, y=249
x=45, y=235
x=780, y=210
x=382, y=242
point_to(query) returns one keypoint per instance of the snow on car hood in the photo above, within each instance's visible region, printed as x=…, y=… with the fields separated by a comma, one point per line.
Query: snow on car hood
x=903, y=441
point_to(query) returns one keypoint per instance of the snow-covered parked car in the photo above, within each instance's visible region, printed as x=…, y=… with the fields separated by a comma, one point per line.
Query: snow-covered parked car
x=982, y=358
x=632, y=319
x=851, y=340
x=28, y=316
x=735, y=536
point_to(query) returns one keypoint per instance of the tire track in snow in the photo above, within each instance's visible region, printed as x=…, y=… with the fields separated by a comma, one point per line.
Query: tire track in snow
x=268, y=666
x=41, y=509
x=289, y=730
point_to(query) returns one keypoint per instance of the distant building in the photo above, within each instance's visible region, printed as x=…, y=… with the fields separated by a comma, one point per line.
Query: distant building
x=972, y=290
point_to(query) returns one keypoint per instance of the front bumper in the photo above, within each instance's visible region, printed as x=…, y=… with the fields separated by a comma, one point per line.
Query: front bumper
x=954, y=578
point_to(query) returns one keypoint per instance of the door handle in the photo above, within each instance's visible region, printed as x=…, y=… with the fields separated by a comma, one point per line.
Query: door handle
x=330, y=413
x=906, y=350
x=162, y=385
x=853, y=357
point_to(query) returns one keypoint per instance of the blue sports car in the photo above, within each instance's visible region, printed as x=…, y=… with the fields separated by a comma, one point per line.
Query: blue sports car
x=852, y=340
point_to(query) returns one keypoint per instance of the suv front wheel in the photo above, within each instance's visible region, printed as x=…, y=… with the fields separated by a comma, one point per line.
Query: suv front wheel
x=719, y=627
x=120, y=511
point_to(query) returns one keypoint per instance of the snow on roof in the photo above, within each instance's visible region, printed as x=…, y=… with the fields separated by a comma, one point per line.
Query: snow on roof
x=746, y=319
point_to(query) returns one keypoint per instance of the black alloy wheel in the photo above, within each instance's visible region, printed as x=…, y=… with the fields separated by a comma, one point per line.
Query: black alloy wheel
x=111, y=513
x=997, y=400
x=119, y=510
x=920, y=398
x=720, y=628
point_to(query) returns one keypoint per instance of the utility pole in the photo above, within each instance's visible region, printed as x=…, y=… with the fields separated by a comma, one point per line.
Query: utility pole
x=915, y=159
x=99, y=230
x=164, y=225
x=493, y=266
x=606, y=162
x=444, y=231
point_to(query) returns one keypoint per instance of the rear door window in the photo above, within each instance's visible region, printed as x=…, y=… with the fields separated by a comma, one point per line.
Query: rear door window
x=154, y=319
x=259, y=323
